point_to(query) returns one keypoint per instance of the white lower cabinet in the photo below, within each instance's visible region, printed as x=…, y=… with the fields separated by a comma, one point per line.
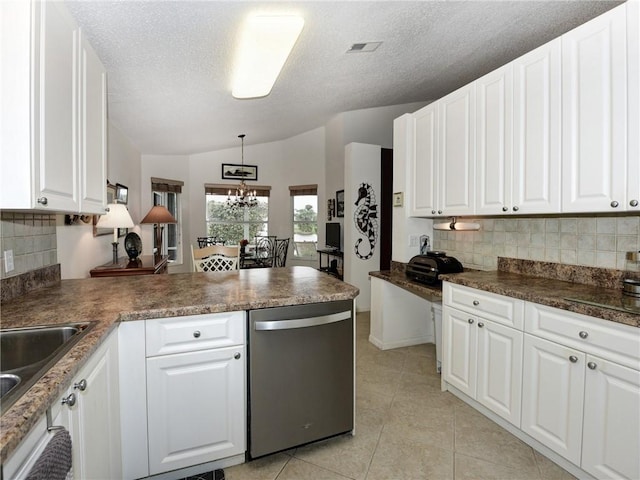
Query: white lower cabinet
x=195, y=407
x=483, y=358
x=580, y=377
x=91, y=408
x=552, y=396
x=183, y=392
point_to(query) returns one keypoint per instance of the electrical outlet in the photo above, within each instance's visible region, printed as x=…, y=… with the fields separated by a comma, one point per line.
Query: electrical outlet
x=8, y=261
x=414, y=240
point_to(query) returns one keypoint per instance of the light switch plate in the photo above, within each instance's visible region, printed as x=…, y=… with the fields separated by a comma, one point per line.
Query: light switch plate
x=398, y=198
x=8, y=261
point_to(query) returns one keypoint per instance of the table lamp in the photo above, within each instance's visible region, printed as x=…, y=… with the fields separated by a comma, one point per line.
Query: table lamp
x=117, y=216
x=159, y=215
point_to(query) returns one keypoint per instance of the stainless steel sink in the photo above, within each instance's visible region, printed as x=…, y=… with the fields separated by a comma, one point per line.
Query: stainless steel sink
x=27, y=353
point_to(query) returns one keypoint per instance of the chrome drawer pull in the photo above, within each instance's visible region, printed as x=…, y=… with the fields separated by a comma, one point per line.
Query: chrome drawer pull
x=237, y=356
x=81, y=385
x=70, y=400
x=476, y=303
x=573, y=359
x=583, y=334
x=480, y=325
x=196, y=334
x=470, y=321
x=592, y=365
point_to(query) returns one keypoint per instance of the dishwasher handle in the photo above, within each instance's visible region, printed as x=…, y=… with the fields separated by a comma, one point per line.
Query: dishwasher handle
x=302, y=322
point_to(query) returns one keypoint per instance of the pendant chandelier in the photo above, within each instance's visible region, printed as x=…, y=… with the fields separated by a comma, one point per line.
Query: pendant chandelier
x=243, y=196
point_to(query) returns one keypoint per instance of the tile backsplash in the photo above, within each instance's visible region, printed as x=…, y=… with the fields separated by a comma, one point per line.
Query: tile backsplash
x=32, y=237
x=600, y=241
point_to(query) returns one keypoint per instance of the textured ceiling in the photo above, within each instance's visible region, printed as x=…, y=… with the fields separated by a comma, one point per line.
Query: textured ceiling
x=170, y=63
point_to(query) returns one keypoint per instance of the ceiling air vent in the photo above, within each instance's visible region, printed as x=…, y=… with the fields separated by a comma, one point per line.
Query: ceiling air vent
x=363, y=47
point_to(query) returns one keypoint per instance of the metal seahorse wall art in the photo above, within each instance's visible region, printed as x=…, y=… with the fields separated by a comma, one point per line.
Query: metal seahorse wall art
x=366, y=220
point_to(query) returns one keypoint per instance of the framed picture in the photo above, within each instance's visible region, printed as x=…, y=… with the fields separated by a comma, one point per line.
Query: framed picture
x=232, y=171
x=122, y=194
x=340, y=203
x=112, y=192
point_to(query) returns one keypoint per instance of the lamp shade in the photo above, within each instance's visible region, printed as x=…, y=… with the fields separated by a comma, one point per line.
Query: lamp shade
x=159, y=214
x=117, y=217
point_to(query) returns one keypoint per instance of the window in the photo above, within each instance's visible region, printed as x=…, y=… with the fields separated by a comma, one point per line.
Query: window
x=305, y=220
x=167, y=193
x=231, y=225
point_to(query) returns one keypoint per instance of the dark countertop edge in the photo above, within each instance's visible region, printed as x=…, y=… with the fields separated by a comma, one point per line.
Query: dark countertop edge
x=23, y=415
x=432, y=293
x=500, y=286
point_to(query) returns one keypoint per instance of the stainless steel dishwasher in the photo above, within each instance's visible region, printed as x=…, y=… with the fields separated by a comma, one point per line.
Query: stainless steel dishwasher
x=301, y=375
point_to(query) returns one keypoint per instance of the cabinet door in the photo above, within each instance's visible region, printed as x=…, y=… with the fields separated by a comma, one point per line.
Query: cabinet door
x=95, y=417
x=494, y=133
x=459, y=350
x=536, y=175
x=499, y=369
x=56, y=68
x=93, y=130
x=594, y=111
x=456, y=152
x=611, y=438
x=633, y=69
x=196, y=407
x=552, y=396
x=423, y=174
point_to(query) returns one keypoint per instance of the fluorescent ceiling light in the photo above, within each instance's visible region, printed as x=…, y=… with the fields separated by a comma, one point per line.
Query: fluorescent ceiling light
x=266, y=43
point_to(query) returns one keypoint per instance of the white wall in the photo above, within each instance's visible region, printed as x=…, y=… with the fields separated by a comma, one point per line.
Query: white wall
x=78, y=250
x=362, y=165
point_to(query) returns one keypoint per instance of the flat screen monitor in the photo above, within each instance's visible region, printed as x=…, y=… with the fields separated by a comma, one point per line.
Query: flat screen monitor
x=332, y=236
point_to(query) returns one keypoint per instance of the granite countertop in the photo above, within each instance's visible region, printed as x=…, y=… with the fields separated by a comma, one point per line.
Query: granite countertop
x=433, y=293
x=109, y=300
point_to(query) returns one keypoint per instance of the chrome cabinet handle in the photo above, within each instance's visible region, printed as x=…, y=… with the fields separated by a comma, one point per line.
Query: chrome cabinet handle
x=70, y=400
x=237, y=356
x=633, y=203
x=439, y=211
x=480, y=325
x=43, y=200
x=433, y=212
x=476, y=303
x=516, y=208
x=614, y=204
x=470, y=321
x=196, y=334
x=592, y=365
x=583, y=334
x=81, y=385
x=573, y=359
x=505, y=209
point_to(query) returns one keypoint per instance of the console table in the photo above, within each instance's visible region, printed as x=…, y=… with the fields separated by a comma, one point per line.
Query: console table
x=334, y=269
x=143, y=265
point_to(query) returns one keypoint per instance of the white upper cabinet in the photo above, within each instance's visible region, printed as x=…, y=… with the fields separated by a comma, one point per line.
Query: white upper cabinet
x=594, y=109
x=423, y=168
x=494, y=132
x=536, y=171
x=633, y=70
x=456, y=152
x=54, y=112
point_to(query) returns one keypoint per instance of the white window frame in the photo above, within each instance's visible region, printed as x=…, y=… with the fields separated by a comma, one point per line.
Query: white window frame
x=162, y=198
x=314, y=256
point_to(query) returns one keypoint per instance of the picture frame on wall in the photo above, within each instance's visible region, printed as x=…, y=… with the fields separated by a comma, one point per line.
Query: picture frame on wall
x=232, y=171
x=340, y=203
x=122, y=193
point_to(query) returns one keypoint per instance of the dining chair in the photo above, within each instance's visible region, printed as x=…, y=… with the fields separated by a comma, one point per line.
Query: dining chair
x=281, y=248
x=215, y=258
x=265, y=250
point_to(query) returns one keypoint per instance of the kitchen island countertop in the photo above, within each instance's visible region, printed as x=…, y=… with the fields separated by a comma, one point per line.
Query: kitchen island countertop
x=107, y=301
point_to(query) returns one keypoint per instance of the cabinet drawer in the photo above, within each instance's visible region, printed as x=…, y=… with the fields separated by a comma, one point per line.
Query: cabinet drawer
x=505, y=310
x=609, y=340
x=187, y=334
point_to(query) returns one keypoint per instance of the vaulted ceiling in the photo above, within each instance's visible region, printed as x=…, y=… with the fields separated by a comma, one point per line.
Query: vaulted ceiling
x=170, y=63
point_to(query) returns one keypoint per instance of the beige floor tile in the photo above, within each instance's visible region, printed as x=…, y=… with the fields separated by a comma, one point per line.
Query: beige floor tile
x=468, y=468
x=389, y=359
x=549, y=470
x=420, y=365
x=479, y=437
x=297, y=469
x=380, y=403
x=393, y=461
x=347, y=455
x=427, y=428
x=266, y=468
